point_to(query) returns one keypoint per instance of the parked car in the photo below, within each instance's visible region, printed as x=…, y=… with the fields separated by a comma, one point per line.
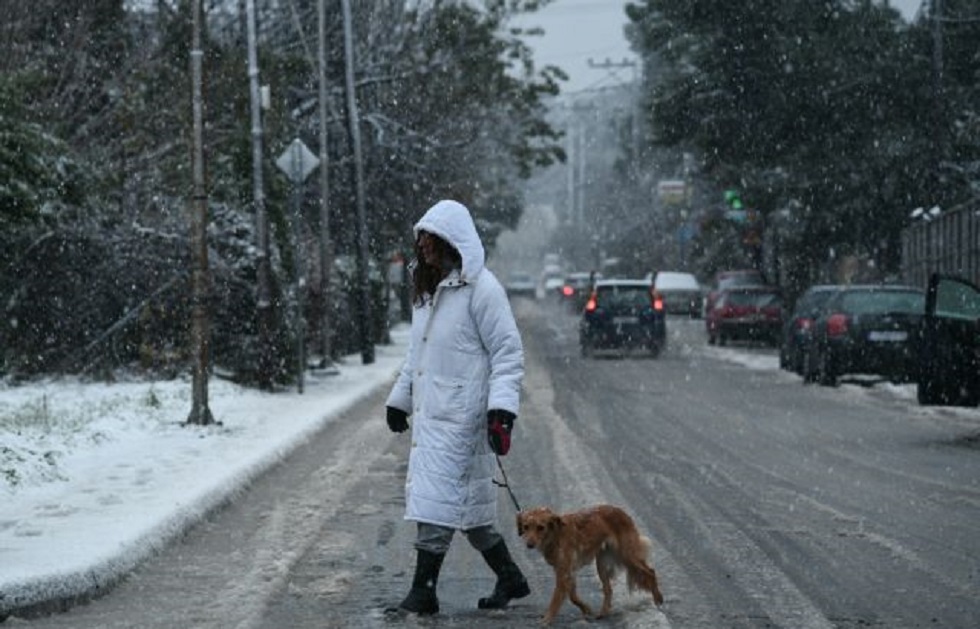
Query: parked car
x=950, y=344
x=866, y=329
x=746, y=313
x=520, y=284
x=798, y=326
x=732, y=279
x=576, y=289
x=681, y=292
x=623, y=314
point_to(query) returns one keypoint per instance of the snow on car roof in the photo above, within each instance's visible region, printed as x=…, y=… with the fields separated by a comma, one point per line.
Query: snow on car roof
x=676, y=280
x=622, y=282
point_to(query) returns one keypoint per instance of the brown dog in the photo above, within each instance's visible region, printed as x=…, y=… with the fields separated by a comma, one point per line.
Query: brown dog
x=569, y=541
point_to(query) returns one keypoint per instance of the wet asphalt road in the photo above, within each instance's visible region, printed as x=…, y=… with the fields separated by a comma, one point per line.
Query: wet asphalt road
x=770, y=504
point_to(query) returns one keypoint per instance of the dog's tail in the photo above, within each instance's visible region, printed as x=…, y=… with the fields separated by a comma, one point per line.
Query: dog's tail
x=639, y=574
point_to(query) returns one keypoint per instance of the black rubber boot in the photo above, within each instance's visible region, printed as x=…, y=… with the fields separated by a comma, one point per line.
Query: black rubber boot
x=421, y=598
x=511, y=583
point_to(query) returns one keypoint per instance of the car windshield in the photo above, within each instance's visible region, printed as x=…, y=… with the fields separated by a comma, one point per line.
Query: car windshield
x=623, y=296
x=752, y=298
x=740, y=279
x=872, y=301
x=577, y=281
x=813, y=300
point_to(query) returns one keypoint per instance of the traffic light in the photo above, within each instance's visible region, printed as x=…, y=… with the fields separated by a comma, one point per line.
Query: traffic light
x=733, y=199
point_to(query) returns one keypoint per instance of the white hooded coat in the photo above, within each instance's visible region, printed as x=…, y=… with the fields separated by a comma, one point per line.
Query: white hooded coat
x=465, y=357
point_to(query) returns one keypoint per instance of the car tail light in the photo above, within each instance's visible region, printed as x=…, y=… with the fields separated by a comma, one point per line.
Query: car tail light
x=657, y=301
x=837, y=325
x=567, y=291
x=591, y=305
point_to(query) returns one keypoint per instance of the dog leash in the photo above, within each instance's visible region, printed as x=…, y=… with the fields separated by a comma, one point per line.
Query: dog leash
x=506, y=483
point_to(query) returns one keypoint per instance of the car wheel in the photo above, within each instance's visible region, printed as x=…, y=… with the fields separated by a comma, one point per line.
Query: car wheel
x=722, y=339
x=807, y=367
x=971, y=398
x=930, y=391
x=796, y=363
x=826, y=375
x=927, y=392
x=655, y=349
x=711, y=339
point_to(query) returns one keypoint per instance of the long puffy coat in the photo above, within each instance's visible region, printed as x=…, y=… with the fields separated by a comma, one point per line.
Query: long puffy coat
x=464, y=358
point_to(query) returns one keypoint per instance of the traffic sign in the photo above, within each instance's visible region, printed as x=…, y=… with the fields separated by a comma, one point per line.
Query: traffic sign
x=297, y=161
x=672, y=191
x=737, y=216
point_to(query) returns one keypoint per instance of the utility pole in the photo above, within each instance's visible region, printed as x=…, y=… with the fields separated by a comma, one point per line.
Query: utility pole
x=200, y=322
x=326, y=244
x=580, y=151
x=938, y=100
x=570, y=182
x=263, y=270
x=364, y=323
x=612, y=66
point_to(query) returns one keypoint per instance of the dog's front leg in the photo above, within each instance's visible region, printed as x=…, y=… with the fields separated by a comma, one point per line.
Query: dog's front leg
x=564, y=588
x=573, y=596
x=557, y=598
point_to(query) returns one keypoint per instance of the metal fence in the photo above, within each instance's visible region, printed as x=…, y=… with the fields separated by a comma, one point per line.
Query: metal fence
x=949, y=243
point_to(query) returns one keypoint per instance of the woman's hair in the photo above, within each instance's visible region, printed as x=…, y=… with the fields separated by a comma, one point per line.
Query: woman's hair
x=425, y=277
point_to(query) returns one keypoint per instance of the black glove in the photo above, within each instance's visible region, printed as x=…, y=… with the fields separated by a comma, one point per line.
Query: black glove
x=499, y=425
x=397, y=419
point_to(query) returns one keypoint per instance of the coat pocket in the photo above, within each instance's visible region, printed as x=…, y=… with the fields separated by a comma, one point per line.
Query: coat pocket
x=447, y=399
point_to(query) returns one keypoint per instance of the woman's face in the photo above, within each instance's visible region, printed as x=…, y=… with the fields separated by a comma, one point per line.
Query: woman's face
x=428, y=248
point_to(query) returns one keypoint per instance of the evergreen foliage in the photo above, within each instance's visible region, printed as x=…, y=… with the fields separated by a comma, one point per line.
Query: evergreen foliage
x=823, y=112
x=38, y=171
x=95, y=173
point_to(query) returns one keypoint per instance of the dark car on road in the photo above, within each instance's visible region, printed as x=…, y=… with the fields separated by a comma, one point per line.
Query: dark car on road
x=868, y=330
x=950, y=345
x=798, y=326
x=623, y=314
x=746, y=313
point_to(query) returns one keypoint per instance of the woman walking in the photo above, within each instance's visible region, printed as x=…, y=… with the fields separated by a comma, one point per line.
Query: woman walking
x=460, y=383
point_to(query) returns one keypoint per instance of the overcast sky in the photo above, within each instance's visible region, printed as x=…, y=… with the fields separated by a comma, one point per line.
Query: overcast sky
x=583, y=34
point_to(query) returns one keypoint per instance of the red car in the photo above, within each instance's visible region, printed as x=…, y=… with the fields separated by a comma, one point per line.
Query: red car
x=732, y=279
x=746, y=313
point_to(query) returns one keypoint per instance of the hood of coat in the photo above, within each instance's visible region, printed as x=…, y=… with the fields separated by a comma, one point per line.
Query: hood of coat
x=451, y=221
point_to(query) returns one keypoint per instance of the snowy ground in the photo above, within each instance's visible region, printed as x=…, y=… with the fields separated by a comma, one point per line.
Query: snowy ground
x=80, y=459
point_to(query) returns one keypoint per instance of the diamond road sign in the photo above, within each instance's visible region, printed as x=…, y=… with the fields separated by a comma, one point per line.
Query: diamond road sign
x=297, y=161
